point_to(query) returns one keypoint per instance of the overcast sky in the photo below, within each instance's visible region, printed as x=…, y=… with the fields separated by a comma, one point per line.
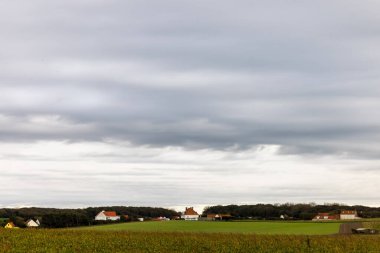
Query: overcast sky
x=177, y=103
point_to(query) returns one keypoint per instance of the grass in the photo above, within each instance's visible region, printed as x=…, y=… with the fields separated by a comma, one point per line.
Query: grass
x=372, y=224
x=305, y=228
x=69, y=240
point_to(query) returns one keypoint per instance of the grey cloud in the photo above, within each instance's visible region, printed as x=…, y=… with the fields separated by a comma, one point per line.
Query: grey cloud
x=194, y=74
x=171, y=116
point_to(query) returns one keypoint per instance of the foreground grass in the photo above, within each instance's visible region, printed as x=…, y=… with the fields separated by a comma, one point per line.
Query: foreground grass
x=372, y=224
x=304, y=228
x=64, y=240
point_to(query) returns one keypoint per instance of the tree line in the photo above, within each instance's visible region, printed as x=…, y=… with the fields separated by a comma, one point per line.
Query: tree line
x=59, y=218
x=289, y=210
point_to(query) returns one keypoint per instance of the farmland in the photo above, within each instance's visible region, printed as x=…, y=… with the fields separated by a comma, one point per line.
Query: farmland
x=305, y=228
x=372, y=224
x=68, y=240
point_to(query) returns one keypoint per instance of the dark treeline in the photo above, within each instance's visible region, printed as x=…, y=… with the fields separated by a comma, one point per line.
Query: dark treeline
x=291, y=211
x=58, y=218
x=135, y=212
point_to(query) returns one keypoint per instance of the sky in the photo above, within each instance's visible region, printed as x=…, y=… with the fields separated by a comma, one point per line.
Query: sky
x=189, y=103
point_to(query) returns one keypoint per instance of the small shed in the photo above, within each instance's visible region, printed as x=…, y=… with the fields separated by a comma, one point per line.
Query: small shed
x=10, y=225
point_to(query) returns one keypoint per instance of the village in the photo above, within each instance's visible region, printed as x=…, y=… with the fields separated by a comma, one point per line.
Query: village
x=189, y=214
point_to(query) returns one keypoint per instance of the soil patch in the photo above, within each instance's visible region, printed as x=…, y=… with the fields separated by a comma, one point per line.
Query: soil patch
x=346, y=228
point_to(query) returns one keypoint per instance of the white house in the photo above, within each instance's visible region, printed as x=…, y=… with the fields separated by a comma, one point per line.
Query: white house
x=190, y=214
x=348, y=215
x=107, y=215
x=32, y=224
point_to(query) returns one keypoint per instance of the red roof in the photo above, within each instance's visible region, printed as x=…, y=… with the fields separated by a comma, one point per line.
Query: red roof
x=323, y=214
x=190, y=211
x=326, y=216
x=109, y=213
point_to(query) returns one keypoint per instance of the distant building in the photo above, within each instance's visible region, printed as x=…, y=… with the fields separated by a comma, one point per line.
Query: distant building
x=10, y=225
x=285, y=217
x=107, y=216
x=344, y=215
x=32, y=224
x=160, y=219
x=349, y=215
x=325, y=216
x=214, y=217
x=190, y=214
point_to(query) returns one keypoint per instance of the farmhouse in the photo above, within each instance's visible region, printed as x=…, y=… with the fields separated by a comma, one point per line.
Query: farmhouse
x=344, y=215
x=107, y=216
x=325, y=216
x=190, y=214
x=32, y=224
x=348, y=215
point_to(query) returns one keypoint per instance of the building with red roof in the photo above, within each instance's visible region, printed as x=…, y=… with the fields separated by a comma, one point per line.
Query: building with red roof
x=107, y=215
x=325, y=216
x=190, y=214
x=344, y=215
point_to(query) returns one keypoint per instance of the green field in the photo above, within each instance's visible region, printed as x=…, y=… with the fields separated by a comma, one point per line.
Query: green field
x=304, y=228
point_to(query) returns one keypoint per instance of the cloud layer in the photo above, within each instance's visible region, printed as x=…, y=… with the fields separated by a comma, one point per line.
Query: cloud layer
x=202, y=77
